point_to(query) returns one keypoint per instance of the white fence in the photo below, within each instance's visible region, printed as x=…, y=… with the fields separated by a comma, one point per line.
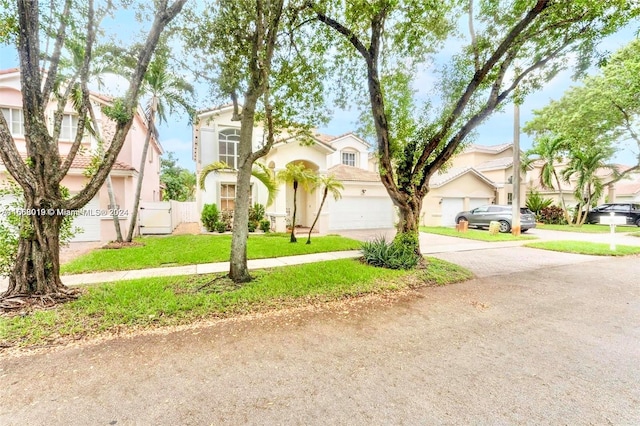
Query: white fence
x=164, y=217
x=183, y=212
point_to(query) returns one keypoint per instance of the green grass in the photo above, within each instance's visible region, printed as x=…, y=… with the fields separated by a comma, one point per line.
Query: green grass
x=163, y=301
x=196, y=249
x=585, y=247
x=586, y=228
x=474, y=234
x=635, y=234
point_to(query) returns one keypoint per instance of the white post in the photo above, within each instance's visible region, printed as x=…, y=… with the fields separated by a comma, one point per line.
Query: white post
x=515, y=218
x=612, y=226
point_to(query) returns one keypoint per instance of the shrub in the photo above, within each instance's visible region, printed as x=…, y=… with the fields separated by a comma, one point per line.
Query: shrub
x=393, y=255
x=536, y=203
x=265, y=225
x=226, y=217
x=220, y=227
x=552, y=215
x=252, y=226
x=256, y=213
x=210, y=216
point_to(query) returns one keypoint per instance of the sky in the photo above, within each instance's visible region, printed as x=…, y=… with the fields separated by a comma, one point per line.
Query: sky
x=176, y=133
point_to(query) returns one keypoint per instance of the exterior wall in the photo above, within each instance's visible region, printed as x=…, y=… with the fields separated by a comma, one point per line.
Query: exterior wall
x=349, y=144
x=124, y=181
x=465, y=187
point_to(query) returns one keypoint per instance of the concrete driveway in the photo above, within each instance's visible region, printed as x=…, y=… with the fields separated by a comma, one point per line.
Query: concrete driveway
x=557, y=343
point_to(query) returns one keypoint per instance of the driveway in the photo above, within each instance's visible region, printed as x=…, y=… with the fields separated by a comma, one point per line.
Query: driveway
x=556, y=344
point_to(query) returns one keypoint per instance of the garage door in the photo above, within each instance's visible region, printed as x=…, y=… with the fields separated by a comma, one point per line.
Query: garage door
x=450, y=208
x=477, y=202
x=362, y=213
x=88, y=222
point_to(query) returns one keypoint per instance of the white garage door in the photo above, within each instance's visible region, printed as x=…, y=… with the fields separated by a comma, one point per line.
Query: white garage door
x=361, y=213
x=89, y=222
x=477, y=202
x=450, y=208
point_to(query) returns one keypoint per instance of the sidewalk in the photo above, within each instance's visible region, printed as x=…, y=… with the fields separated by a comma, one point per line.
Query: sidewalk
x=430, y=244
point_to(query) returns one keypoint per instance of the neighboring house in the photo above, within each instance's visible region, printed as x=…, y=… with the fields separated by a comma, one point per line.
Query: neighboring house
x=484, y=175
x=477, y=176
x=364, y=203
x=124, y=174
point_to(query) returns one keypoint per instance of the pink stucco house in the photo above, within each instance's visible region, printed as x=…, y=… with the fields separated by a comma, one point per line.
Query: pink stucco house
x=124, y=173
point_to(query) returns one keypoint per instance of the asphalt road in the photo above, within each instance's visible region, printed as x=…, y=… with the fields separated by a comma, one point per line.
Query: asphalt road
x=558, y=343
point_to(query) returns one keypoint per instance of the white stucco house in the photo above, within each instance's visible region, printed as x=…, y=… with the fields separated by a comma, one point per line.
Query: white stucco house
x=365, y=203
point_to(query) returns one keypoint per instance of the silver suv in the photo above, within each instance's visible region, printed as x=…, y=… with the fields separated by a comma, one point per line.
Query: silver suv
x=480, y=217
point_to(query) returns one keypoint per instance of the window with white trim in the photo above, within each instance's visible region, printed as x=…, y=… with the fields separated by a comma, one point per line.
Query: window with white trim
x=228, y=140
x=69, y=127
x=228, y=196
x=349, y=158
x=15, y=120
x=509, y=198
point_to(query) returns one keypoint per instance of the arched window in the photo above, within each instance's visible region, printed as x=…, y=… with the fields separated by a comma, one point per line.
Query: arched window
x=228, y=146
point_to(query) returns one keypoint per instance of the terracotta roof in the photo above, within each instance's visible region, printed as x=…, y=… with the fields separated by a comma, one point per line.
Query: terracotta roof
x=488, y=148
x=324, y=138
x=350, y=173
x=9, y=71
x=442, y=178
x=627, y=188
x=83, y=162
x=498, y=163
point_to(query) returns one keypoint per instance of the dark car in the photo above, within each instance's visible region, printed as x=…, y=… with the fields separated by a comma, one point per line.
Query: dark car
x=480, y=217
x=631, y=211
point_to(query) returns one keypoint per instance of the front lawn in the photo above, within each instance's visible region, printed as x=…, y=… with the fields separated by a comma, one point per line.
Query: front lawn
x=179, y=250
x=586, y=228
x=474, y=234
x=584, y=247
x=156, y=302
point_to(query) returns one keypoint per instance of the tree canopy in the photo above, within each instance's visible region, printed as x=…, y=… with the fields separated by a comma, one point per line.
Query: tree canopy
x=507, y=46
x=602, y=112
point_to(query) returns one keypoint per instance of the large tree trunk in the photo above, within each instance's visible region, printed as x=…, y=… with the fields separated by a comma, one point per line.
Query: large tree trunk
x=408, y=229
x=238, y=270
x=37, y=268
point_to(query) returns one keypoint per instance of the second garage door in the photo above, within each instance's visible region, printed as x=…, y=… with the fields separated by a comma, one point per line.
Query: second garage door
x=362, y=213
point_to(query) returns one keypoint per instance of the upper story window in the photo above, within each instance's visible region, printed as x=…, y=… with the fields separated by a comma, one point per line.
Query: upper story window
x=349, y=158
x=69, y=127
x=228, y=146
x=15, y=120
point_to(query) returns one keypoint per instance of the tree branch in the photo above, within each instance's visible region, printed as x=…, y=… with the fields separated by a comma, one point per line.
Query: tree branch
x=52, y=73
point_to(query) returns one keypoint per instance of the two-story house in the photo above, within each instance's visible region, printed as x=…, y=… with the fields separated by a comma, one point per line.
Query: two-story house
x=365, y=203
x=124, y=174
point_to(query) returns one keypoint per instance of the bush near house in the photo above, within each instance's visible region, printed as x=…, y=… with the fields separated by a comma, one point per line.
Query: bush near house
x=210, y=216
x=552, y=215
x=535, y=202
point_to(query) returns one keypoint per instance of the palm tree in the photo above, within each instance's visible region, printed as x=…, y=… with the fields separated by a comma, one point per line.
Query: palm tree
x=166, y=91
x=549, y=150
x=583, y=167
x=331, y=185
x=259, y=171
x=296, y=174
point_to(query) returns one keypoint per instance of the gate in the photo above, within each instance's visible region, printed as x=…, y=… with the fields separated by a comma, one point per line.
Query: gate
x=155, y=218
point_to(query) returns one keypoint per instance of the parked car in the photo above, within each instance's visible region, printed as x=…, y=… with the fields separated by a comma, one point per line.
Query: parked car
x=480, y=217
x=629, y=210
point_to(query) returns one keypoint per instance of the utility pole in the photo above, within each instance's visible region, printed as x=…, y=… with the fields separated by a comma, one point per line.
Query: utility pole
x=515, y=221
